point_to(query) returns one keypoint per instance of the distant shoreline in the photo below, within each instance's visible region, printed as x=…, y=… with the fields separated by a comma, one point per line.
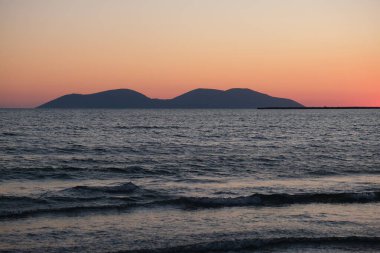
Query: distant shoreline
x=314, y=108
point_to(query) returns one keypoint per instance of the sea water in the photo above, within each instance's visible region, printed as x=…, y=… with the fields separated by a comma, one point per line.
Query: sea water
x=189, y=180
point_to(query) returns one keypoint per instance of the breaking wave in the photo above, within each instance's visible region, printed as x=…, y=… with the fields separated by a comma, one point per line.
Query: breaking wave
x=84, y=198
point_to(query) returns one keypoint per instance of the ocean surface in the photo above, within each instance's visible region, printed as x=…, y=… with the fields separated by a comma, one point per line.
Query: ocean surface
x=189, y=180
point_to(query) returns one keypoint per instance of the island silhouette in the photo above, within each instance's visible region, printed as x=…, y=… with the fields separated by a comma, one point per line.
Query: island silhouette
x=198, y=98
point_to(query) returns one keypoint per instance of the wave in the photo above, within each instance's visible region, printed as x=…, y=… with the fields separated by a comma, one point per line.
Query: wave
x=74, y=172
x=10, y=134
x=254, y=244
x=123, y=188
x=37, y=173
x=149, y=199
x=80, y=199
x=96, y=169
x=63, y=210
x=325, y=172
x=24, y=199
x=148, y=127
x=77, y=199
x=139, y=170
x=276, y=199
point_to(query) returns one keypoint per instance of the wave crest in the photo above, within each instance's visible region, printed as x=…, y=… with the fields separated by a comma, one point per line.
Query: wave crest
x=277, y=199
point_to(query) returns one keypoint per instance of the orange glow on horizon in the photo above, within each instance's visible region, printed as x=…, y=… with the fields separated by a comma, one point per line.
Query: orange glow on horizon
x=319, y=53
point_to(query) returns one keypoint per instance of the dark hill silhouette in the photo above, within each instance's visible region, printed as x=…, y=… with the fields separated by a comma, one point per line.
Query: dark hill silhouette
x=233, y=98
x=198, y=98
x=121, y=98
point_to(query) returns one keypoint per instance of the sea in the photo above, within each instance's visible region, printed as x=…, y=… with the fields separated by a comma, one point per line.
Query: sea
x=126, y=180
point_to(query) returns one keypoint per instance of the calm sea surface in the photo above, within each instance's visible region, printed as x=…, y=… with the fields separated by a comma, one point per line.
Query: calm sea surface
x=190, y=180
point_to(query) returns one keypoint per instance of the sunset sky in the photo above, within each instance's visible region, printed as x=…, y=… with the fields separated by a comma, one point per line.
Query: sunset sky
x=317, y=52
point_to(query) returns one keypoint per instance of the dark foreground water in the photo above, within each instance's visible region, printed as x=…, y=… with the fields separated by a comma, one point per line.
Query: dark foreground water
x=190, y=180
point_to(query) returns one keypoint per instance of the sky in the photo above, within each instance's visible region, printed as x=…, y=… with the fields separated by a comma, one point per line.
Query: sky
x=317, y=52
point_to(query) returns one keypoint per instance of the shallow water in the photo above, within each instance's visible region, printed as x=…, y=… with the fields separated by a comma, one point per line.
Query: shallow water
x=190, y=180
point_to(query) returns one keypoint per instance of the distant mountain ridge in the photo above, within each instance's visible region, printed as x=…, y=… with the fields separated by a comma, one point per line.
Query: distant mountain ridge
x=198, y=98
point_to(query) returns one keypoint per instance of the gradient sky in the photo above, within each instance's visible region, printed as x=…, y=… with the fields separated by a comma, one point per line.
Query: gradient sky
x=318, y=52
